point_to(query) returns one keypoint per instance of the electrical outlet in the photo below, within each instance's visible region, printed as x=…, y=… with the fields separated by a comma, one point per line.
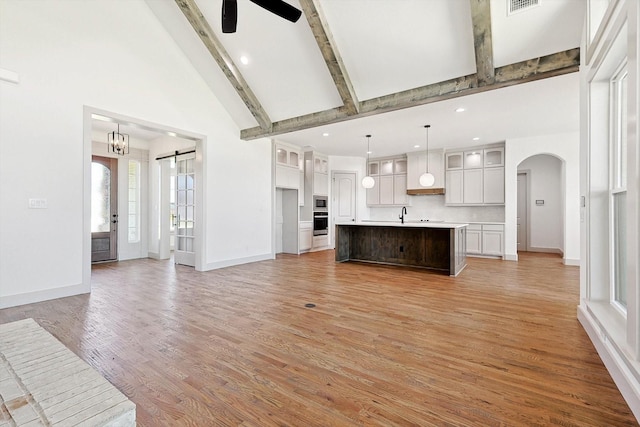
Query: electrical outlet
x=37, y=203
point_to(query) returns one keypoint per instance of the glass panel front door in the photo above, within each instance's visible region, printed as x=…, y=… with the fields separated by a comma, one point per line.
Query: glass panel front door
x=104, y=209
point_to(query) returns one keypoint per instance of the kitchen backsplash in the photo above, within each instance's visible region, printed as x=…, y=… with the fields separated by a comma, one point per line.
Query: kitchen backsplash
x=433, y=208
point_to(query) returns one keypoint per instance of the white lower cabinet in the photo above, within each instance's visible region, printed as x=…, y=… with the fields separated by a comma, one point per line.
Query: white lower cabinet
x=485, y=240
x=306, y=235
x=320, y=241
x=474, y=239
x=492, y=240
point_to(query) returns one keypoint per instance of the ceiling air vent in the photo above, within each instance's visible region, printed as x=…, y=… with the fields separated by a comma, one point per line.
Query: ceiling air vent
x=515, y=6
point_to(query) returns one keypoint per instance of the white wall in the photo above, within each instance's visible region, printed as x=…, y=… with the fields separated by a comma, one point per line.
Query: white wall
x=67, y=57
x=565, y=146
x=546, y=183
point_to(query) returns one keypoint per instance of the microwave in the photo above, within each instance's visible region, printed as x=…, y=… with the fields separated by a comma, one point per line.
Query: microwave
x=320, y=203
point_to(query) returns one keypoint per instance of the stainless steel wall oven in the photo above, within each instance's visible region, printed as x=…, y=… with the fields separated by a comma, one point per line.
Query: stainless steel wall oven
x=320, y=223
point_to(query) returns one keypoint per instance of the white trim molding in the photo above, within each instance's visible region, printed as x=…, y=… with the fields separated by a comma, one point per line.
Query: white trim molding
x=44, y=295
x=613, y=358
x=237, y=261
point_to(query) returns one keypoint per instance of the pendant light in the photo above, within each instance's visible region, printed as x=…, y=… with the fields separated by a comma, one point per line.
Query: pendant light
x=118, y=142
x=427, y=179
x=367, y=181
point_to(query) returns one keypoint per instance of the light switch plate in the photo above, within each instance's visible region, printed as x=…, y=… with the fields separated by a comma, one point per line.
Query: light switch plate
x=37, y=203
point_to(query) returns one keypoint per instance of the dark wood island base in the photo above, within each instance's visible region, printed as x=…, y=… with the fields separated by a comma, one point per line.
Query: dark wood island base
x=438, y=246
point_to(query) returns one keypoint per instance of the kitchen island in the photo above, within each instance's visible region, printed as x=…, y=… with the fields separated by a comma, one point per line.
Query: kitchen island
x=436, y=246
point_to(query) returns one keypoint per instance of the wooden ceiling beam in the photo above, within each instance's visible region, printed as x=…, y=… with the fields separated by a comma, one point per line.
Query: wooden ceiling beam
x=482, y=41
x=193, y=14
x=326, y=43
x=522, y=72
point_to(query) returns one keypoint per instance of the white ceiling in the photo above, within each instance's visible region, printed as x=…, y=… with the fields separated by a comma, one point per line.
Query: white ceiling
x=388, y=46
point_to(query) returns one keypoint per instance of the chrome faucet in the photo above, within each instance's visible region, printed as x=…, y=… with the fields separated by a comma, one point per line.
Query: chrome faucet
x=403, y=212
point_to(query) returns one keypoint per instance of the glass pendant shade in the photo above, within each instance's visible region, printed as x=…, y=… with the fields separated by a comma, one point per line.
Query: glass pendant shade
x=368, y=182
x=427, y=179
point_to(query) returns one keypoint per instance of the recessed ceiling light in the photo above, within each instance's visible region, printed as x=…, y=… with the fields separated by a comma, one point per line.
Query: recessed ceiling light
x=460, y=109
x=369, y=152
x=476, y=138
x=325, y=134
x=416, y=146
x=244, y=59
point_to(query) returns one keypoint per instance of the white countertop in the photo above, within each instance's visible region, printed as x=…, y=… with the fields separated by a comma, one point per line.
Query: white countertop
x=408, y=224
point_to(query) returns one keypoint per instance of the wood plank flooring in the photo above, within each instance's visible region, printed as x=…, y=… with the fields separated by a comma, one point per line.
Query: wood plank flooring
x=384, y=346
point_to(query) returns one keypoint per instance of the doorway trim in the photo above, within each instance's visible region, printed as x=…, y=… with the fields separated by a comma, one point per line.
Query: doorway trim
x=200, y=141
x=527, y=231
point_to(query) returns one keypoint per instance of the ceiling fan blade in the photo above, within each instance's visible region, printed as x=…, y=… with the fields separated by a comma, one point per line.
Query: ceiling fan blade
x=280, y=8
x=229, y=16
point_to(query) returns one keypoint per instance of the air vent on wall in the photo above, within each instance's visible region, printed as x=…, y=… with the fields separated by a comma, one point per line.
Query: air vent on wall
x=515, y=6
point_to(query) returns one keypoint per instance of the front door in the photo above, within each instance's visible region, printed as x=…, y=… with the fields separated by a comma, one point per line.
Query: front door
x=184, y=252
x=104, y=209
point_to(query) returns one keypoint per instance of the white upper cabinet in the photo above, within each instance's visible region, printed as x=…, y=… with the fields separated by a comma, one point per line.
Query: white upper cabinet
x=416, y=166
x=399, y=166
x=473, y=159
x=472, y=187
x=493, y=157
x=320, y=164
x=454, y=194
x=288, y=164
x=454, y=161
x=475, y=177
x=493, y=185
x=390, y=177
x=386, y=167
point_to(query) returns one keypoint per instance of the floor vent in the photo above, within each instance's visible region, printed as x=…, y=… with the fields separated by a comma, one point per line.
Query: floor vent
x=515, y=6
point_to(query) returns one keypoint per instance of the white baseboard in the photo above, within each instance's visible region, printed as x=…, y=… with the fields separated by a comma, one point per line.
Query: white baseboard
x=545, y=250
x=510, y=257
x=236, y=261
x=614, y=361
x=44, y=295
x=570, y=261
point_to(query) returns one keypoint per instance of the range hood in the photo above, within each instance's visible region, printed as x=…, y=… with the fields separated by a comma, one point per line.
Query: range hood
x=425, y=191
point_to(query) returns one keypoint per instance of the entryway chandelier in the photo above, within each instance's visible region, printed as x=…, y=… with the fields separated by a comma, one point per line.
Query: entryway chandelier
x=117, y=142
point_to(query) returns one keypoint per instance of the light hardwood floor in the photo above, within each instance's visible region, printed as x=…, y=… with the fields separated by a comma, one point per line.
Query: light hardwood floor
x=384, y=346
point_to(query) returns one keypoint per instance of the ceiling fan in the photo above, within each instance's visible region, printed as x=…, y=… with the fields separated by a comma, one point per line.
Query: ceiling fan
x=277, y=7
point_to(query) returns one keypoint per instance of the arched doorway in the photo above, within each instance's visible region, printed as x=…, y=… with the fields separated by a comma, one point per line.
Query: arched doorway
x=540, y=204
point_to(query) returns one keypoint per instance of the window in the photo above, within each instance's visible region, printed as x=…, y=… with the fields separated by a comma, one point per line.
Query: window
x=134, y=201
x=618, y=187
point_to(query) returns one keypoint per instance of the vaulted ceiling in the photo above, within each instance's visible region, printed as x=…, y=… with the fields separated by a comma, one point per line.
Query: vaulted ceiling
x=387, y=67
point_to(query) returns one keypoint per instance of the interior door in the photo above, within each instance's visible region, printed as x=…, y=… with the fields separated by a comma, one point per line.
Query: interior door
x=521, y=215
x=104, y=209
x=184, y=252
x=344, y=197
